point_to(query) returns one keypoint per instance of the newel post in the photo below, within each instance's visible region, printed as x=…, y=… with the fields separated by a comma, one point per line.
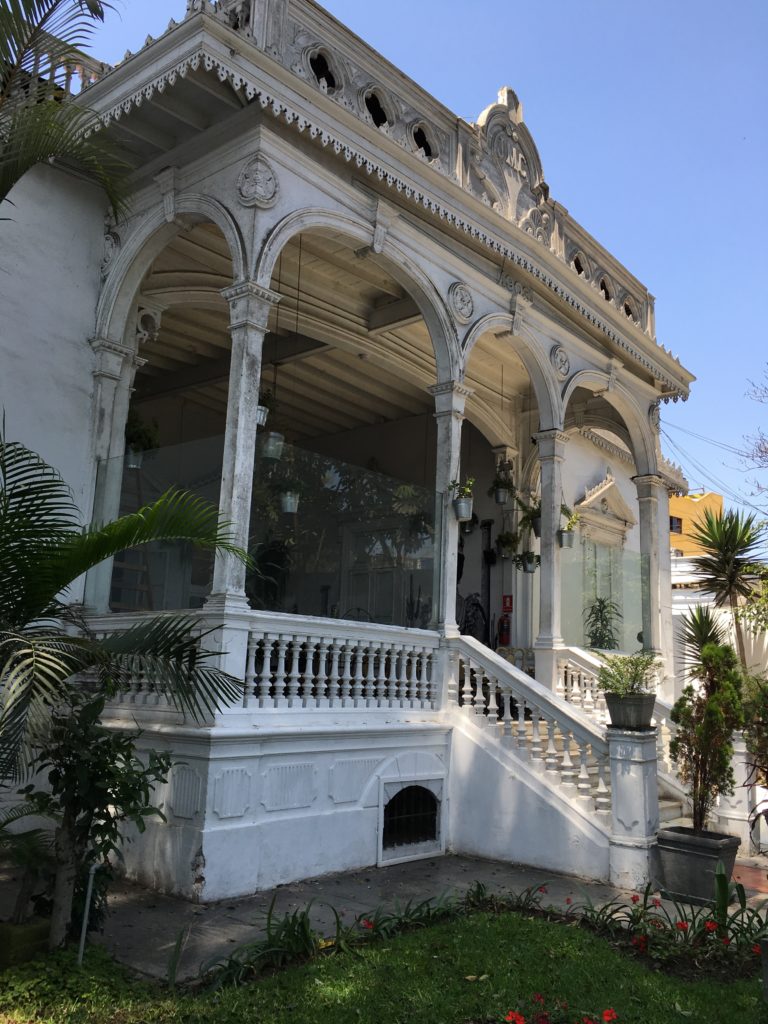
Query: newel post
x=634, y=806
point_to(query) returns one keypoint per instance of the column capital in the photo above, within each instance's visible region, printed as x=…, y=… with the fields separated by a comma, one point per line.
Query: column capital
x=450, y=397
x=551, y=443
x=647, y=484
x=249, y=303
x=112, y=357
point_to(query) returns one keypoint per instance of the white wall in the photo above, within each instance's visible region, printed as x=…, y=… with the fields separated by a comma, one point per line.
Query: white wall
x=49, y=283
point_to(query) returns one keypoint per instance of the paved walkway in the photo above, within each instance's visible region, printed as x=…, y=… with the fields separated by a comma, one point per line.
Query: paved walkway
x=142, y=927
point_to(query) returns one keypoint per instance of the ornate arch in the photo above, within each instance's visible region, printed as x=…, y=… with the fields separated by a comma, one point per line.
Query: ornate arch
x=634, y=417
x=399, y=262
x=536, y=363
x=147, y=240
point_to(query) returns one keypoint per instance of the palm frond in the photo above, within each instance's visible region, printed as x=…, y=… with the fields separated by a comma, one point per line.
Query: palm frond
x=47, y=131
x=731, y=541
x=699, y=627
x=165, y=653
x=38, y=38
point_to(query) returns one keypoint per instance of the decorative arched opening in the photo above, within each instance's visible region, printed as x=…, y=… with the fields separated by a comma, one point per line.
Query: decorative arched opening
x=410, y=818
x=514, y=396
x=605, y=572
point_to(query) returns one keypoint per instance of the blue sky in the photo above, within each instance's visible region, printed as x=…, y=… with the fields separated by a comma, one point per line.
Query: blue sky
x=650, y=119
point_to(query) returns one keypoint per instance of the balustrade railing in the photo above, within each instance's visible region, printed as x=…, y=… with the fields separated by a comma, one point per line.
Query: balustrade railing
x=556, y=740
x=577, y=683
x=300, y=663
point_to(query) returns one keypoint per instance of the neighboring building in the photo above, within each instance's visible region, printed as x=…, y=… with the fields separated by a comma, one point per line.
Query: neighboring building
x=310, y=222
x=685, y=512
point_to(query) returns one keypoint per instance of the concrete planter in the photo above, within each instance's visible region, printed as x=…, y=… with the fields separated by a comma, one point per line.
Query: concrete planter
x=566, y=538
x=688, y=861
x=633, y=711
x=463, y=509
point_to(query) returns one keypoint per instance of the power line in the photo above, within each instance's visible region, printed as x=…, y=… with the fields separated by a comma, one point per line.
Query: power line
x=707, y=476
x=709, y=440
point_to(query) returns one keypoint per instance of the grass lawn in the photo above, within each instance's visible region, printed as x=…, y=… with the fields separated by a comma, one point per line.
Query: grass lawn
x=416, y=978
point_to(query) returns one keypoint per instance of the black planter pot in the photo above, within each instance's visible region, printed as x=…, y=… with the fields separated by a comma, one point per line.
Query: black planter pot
x=633, y=712
x=536, y=526
x=688, y=861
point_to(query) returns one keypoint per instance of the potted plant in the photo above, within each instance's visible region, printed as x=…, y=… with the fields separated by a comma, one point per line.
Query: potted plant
x=531, y=516
x=501, y=486
x=627, y=681
x=527, y=561
x=273, y=446
x=140, y=437
x=566, y=535
x=462, y=499
x=706, y=716
x=506, y=543
x=600, y=624
x=265, y=406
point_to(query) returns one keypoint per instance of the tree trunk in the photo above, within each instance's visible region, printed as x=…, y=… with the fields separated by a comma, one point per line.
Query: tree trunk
x=734, y=602
x=64, y=885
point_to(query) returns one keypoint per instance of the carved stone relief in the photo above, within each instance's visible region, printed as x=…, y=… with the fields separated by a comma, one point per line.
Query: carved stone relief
x=461, y=302
x=559, y=359
x=289, y=786
x=538, y=224
x=186, y=787
x=232, y=793
x=111, y=249
x=257, y=184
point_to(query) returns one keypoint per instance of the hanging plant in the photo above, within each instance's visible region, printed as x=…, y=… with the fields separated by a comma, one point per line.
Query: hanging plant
x=506, y=543
x=531, y=516
x=462, y=499
x=140, y=437
x=265, y=407
x=502, y=486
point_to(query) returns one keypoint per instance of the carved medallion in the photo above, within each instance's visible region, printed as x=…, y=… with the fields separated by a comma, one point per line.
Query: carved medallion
x=559, y=359
x=461, y=302
x=111, y=249
x=257, y=184
x=654, y=415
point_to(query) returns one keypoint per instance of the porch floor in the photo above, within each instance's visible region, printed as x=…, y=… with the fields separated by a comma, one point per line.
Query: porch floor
x=142, y=926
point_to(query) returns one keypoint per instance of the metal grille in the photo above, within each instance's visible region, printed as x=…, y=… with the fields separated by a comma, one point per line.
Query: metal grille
x=410, y=817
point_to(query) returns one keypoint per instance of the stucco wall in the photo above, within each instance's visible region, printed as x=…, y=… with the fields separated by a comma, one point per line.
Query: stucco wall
x=49, y=283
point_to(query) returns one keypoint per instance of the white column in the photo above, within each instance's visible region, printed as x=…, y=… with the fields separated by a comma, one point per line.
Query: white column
x=249, y=306
x=450, y=399
x=551, y=446
x=652, y=499
x=733, y=811
x=116, y=366
x=634, y=806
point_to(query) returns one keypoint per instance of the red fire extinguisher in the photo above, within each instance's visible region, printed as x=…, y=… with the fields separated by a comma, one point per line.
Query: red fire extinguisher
x=505, y=630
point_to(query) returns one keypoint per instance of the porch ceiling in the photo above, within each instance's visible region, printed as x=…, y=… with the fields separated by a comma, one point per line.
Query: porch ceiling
x=347, y=346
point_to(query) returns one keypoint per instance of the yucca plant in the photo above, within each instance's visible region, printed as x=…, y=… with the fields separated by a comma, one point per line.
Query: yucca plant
x=731, y=542
x=39, y=123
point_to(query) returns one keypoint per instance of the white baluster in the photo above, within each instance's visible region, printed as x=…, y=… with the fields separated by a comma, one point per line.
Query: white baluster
x=602, y=794
x=382, y=678
x=334, y=696
x=551, y=762
x=322, y=686
x=522, y=731
x=250, y=670
x=583, y=783
x=346, y=674
x=423, y=664
x=265, y=674
x=357, y=684
x=505, y=718
x=369, y=697
x=562, y=669
x=568, y=773
x=294, y=699
x=537, y=747
x=466, y=688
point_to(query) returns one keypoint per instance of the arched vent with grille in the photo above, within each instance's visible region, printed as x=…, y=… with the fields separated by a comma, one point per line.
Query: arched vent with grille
x=410, y=817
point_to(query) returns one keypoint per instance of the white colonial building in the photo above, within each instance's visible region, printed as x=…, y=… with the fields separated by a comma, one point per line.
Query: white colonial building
x=309, y=226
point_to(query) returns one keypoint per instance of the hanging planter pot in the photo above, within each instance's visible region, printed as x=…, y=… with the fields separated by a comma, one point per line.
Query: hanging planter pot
x=462, y=507
x=529, y=561
x=289, y=502
x=536, y=526
x=565, y=538
x=273, y=446
x=261, y=415
x=501, y=495
x=134, y=458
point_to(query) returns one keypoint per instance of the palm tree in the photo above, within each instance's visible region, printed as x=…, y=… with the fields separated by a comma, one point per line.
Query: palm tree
x=43, y=550
x=731, y=542
x=39, y=41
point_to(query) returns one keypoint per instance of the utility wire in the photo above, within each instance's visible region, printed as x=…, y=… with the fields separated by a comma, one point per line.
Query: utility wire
x=707, y=476
x=700, y=437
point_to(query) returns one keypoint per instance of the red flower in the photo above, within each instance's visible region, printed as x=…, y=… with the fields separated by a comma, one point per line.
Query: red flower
x=538, y=998
x=514, y=1017
x=711, y=926
x=725, y=941
x=609, y=1015
x=756, y=949
x=682, y=926
x=542, y=888
x=656, y=901
x=367, y=923
x=635, y=898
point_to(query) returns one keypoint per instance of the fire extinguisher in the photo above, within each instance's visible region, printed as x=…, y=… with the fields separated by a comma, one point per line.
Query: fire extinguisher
x=505, y=630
